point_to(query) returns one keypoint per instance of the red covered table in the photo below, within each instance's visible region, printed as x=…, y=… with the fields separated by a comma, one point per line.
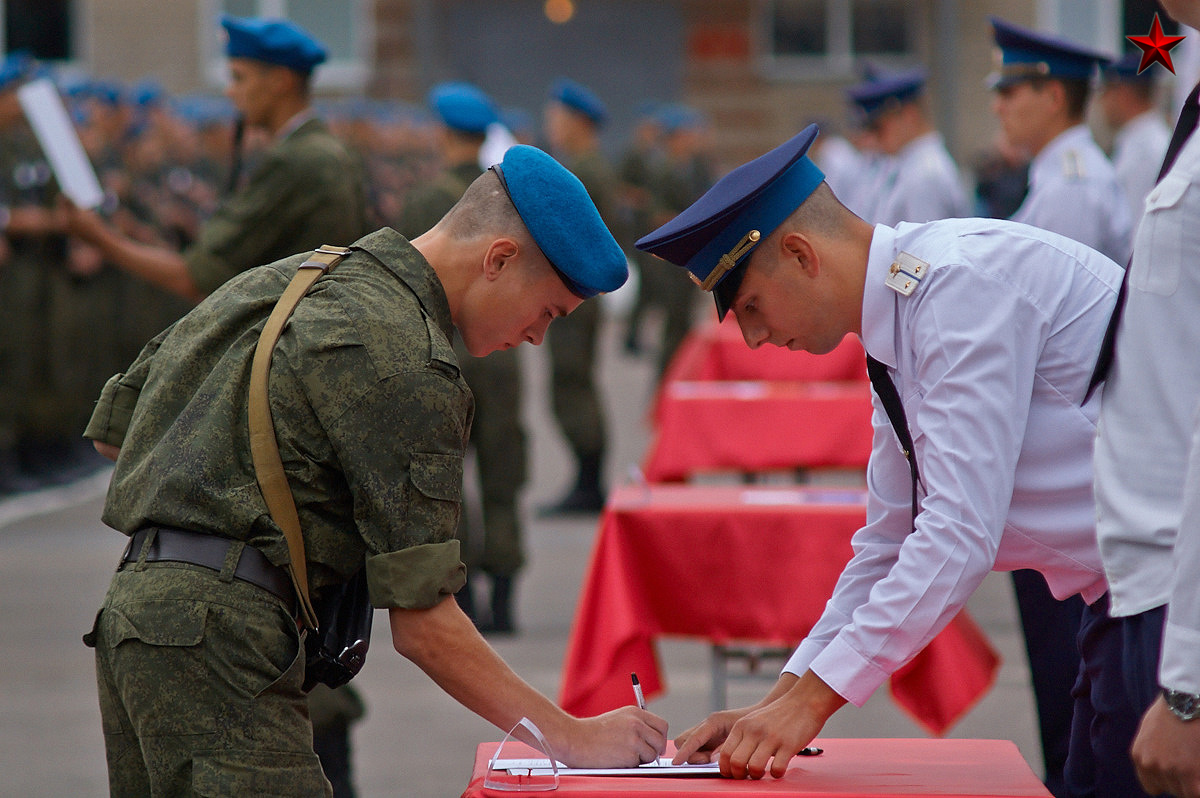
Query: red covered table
x=724, y=564
x=718, y=352
x=847, y=769
x=758, y=426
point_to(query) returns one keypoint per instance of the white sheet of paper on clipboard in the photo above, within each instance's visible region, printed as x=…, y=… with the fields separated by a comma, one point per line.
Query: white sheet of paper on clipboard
x=48, y=117
x=541, y=767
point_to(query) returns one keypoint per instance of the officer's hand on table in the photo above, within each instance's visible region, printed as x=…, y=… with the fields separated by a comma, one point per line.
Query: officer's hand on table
x=1166, y=752
x=625, y=737
x=773, y=731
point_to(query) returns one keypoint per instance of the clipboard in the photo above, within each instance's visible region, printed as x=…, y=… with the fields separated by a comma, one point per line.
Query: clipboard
x=60, y=142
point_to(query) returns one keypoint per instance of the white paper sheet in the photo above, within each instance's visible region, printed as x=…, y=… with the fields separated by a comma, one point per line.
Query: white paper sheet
x=541, y=767
x=48, y=117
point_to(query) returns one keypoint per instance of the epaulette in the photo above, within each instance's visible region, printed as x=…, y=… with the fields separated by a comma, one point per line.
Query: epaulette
x=1073, y=167
x=906, y=273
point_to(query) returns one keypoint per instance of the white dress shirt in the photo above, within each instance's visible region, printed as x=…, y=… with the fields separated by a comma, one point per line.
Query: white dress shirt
x=1138, y=150
x=1073, y=191
x=922, y=185
x=991, y=355
x=1148, y=414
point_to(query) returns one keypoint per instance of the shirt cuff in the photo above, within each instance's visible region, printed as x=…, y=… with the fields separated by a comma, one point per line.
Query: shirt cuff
x=851, y=675
x=207, y=271
x=114, y=409
x=415, y=578
x=1180, y=652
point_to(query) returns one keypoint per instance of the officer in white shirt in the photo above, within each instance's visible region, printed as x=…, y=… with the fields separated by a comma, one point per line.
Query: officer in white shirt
x=920, y=182
x=989, y=330
x=1142, y=135
x=1041, y=93
x=1147, y=465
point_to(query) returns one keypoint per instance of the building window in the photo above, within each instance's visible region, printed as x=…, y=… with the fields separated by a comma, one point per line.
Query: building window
x=41, y=27
x=830, y=38
x=341, y=25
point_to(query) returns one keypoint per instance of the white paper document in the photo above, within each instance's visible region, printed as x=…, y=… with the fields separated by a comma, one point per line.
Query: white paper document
x=48, y=117
x=663, y=767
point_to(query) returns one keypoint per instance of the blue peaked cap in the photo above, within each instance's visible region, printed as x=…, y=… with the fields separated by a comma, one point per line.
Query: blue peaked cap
x=273, y=41
x=563, y=221
x=714, y=235
x=883, y=91
x=1027, y=54
x=1125, y=70
x=463, y=107
x=580, y=98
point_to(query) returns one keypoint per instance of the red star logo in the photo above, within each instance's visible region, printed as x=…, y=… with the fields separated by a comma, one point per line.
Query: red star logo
x=1155, y=47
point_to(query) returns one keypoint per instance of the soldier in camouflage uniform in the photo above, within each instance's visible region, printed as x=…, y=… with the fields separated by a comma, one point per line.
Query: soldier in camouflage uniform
x=497, y=434
x=199, y=669
x=573, y=118
x=307, y=190
x=44, y=387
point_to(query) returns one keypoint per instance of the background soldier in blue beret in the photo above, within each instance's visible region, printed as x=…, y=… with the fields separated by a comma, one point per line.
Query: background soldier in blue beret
x=921, y=182
x=465, y=114
x=981, y=335
x=572, y=122
x=200, y=667
x=1141, y=134
x=307, y=190
x=1042, y=87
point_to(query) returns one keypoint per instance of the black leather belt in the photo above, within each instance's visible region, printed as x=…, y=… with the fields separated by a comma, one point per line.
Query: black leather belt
x=209, y=551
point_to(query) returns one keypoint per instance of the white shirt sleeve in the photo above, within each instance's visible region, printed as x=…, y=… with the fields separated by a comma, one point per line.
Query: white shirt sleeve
x=1179, y=668
x=966, y=365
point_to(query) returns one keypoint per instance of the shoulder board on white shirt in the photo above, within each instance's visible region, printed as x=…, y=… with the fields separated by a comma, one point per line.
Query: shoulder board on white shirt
x=906, y=273
x=1073, y=167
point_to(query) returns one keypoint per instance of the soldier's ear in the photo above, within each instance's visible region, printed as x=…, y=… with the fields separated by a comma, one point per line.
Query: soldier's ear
x=499, y=255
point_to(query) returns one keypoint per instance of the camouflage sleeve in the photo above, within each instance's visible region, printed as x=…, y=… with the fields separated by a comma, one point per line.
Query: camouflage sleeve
x=401, y=449
x=253, y=225
x=114, y=408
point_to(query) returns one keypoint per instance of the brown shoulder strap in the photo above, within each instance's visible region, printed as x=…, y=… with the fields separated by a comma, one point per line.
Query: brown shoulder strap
x=264, y=449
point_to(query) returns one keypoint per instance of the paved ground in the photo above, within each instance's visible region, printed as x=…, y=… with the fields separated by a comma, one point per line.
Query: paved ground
x=56, y=557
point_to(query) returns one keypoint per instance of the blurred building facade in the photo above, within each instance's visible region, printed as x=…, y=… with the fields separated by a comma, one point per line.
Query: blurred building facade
x=759, y=69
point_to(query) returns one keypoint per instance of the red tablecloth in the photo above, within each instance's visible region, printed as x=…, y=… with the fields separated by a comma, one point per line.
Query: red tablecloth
x=718, y=352
x=847, y=769
x=758, y=426
x=728, y=564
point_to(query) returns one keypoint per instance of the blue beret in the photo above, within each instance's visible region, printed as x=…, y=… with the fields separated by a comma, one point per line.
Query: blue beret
x=712, y=237
x=14, y=68
x=1125, y=70
x=580, y=98
x=273, y=41
x=148, y=92
x=563, y=221
x=882, y=91
x=463, y=107
x=675, y=117
x=1027, y=54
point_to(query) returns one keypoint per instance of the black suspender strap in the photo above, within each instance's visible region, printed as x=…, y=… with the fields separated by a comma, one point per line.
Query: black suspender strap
x=886, y=390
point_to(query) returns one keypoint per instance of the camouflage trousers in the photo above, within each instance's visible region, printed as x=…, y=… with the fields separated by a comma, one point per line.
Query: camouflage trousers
x=199, y=679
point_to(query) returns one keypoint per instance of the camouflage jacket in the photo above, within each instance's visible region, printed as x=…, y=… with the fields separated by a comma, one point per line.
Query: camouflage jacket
x=370, y=411
x=307, y=191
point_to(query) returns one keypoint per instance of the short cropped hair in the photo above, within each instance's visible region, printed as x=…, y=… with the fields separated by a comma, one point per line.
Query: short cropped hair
x=485, y=209
x=1075, y=91
x=822, y=213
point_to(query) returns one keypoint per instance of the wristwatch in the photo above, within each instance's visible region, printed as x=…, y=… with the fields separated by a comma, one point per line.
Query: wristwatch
x=1185, y=706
